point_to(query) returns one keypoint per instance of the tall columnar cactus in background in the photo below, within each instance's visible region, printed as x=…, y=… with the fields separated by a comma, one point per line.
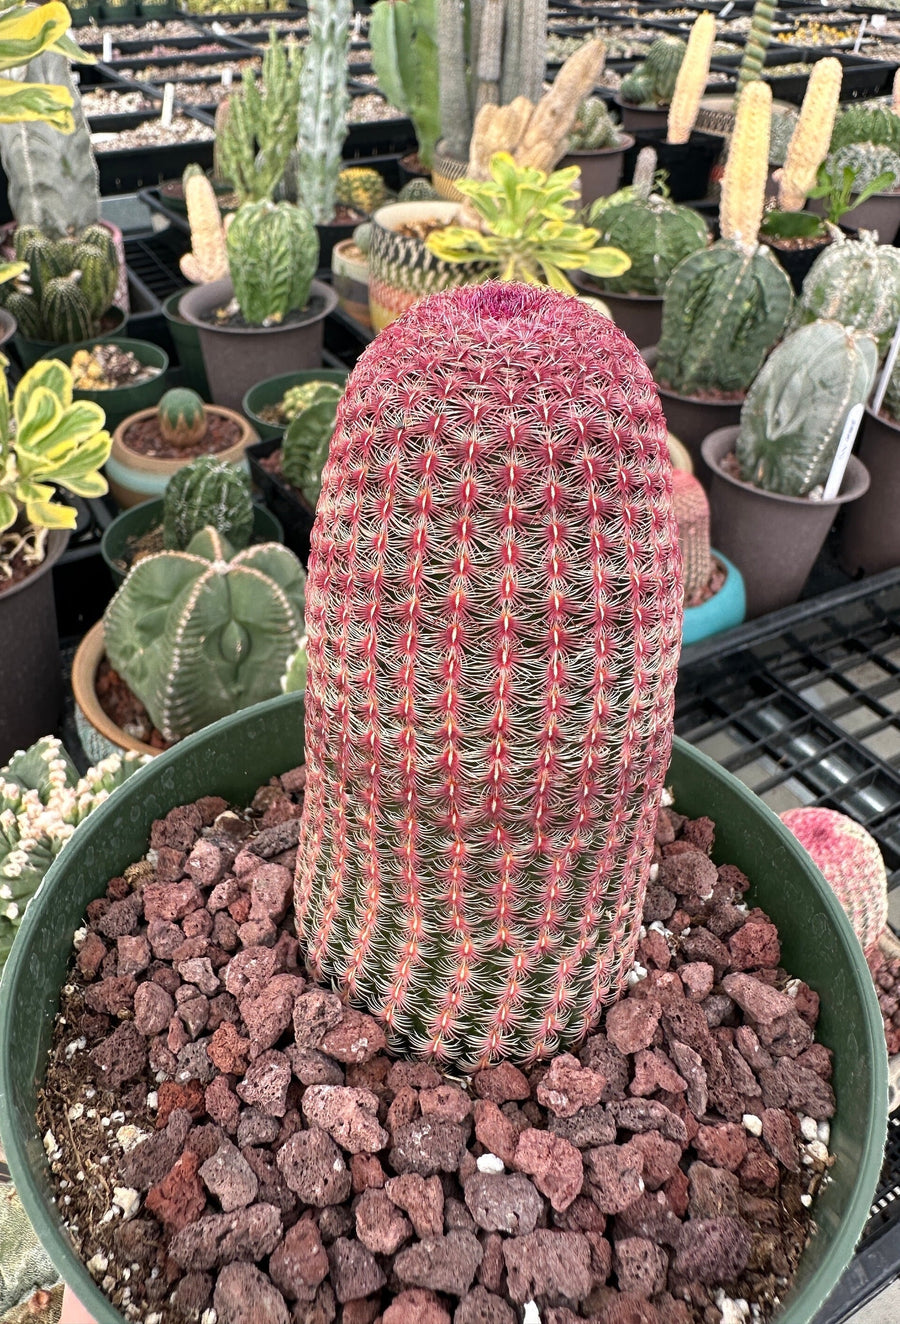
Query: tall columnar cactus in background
x=652, y=82
x=725, y=307
x=273, y=251
x=403, y=38
x=809, y=142
x=259, y=130
x=855, y=282
x=795, y=411
x=208, y=259
x=68, y=284
x=691, y=81
x=851, y=862
x=198, y=634
x=757, y=44
x=494, y=609
x=324, y=102
x=42, y=801
x=207, y=494
x=692, y=517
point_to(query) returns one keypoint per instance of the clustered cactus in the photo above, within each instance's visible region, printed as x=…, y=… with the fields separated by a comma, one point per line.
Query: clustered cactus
x=855, y=282
x=207, y=493
x=68, y=285
x=594, y=129
x=273, y=252
x=311, y=408
x=324, y=102
x=199, y=634
x=493, y=618
x=652, y=82
x=691, y=506
x=257, y=130
x=42, y=801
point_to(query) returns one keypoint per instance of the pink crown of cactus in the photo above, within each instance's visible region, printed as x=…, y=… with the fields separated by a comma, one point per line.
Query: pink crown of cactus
x=493, y=610
x=692, y=517
x=851, y=863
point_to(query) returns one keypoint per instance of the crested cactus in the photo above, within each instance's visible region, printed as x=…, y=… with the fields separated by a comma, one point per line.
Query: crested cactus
x=757, y=43
x=68, y=285
x=201, y=633
x=208, y=260
x=42, y=801
x=594, y=128
x=304, y=450
x=868, y=161
x=795, y=411
x=485, y=758
x=851, y=863
x=403, y=38
x=273, y=252
x=855, y=282
x=545, y=131
x=655, y=232
x=324, y=102
x=361, y=189
x=207, y=494
x=182, y=417
x=809, y=142
x=691, y=506
x=691, y=81
x=653, y=81
x=259, y=128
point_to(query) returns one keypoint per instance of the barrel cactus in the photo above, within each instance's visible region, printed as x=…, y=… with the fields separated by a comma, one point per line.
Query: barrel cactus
x=312, y=408
x=494, y=611
x=198, y=634
x=182, y=417
x=273, y=252
x=795, y=411
x=653, y=81
x=418, y=190
x=856, y=282
x=361, y=189
x=851, y=862
x=692, y=517
x=207, y=494
x=655, y=232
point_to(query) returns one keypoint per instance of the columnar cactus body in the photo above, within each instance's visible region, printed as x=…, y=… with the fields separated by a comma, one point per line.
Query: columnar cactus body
x=692, y=517
x=494, y=609
x=795, y=411
x=403, y=38
x=691, y=81
x=208, y=260
x=855, y=282
x=852, y=865
x=809, y=141
x=207, y=494
x=757, y=43
x=201, y=633
x=273, y=251
x=324, y=102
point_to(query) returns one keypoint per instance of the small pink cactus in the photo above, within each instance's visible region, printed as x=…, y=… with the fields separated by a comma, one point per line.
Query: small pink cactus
x=494, y=613
x=692, y=516
x=850, y=860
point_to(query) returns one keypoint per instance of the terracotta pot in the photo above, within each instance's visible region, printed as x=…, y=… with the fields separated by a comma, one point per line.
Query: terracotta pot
x=870, y=536
x=401, y=268
x=31, y=688
x=642, y=117
x=134, y=477
x=638, y=315
x=772, y=539
x=236, y=358
x=350, y=280
x=98, y=733
x=601, y=170
x=692, y=418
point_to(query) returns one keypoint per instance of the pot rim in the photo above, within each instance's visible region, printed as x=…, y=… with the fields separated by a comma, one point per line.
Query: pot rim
x=434, y=207
x=247, y=430
x=88, y=656
x=201, y=298
x=855, y=480
x=880, y=418
x=650, y=355
x=57, y=542
x=129, y=343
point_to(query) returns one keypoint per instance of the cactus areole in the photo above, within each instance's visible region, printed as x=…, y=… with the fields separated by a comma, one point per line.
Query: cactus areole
x=493, y=610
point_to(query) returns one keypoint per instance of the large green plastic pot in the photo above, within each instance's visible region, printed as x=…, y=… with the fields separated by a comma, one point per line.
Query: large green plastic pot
x=120, y=401
x=271, y=392
x=235, y=756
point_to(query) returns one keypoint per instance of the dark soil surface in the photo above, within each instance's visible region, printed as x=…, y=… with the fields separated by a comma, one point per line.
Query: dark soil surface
x=224, y=1132
x=125, y=708
x=17, y=568
x=144, y=438
x=232, y=317
x=420, y=229
x=345, y=216
x=797, y=244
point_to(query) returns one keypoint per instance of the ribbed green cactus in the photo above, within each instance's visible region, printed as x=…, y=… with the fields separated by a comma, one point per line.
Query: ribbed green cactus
x=653, y=81
x=182, y=417
x=724, y=308
x=207, y=494
x=757, y=43
x=70, y=283
x=855, y=282
x=259, y=129
x=312, y=411
x=403, y=38
x=417, y=190
x=201, y=633
x=656, y=234
x=595, y=129
x=867, y=161
x=42, y=801
x=273, y=252
x=795, y=411
x=324, y=101
x=361, y=189
x=866, y=124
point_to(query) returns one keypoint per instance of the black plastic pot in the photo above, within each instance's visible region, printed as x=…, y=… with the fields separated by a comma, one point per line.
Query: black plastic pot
x=295, y=515
x=329, y=235
x=31, y=689
x=870, y=535
x=271, y=392
x=635, y=118
x=689, y=165
x=796, y=261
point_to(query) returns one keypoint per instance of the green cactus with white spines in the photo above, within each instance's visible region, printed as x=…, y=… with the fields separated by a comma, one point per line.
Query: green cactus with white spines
x=182, y=419
x=199, y=634
x=312, y=409
x=42, y=801
x=361, y=189
x=324, y=102
x=655, y=232
x=68, y=286
x=653, y=81
x=855, y=282
x=273, y=252
x=595, y=129
x=207, y=494
x=867, y=161
x=795, y=411
x=418, y=190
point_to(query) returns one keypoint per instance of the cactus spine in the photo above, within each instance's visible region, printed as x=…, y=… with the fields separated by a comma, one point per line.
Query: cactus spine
x=202, y=633
x=812, y=134
x=747, y=168
x=70, y=283
x=757, y=44
x=208, y=260
x=795, y=411
x=867, y=161
x=273, y=251
x=594, y=128
x=691, y=81
x=691, y=506
x=207, y=494
x=866, y=124
x=855, y=282
x=324, y=101
x=655, y=233
x=403, y=38
x=361, y=189
x=496, y=761
x=259, y=128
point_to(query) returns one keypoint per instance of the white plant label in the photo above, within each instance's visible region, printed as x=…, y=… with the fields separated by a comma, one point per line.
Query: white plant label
x=878, y=22
x=107, y=47
x=218, y=29
x=726, y=9
x=168, y=105
x=886, y=371
x=227, y=77
x=859, y=36
x=845, y=446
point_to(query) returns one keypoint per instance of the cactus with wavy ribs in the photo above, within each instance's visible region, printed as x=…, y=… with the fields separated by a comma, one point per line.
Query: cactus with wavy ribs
x=493, y=621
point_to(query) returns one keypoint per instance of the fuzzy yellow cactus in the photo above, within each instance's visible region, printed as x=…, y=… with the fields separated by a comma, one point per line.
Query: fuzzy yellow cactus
x=691, y=82
x=812, y=134
x=895, y=97
x=497, y=129
x=546, y=136
x=744, y=181
x=208, y=259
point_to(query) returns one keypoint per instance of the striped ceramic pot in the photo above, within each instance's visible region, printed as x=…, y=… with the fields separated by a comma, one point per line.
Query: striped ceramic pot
x=401, y=268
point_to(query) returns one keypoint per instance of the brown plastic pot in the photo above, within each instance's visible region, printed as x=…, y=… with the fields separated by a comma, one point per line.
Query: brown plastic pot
x=601, y=170
x=870, y=537
x=772, y=539
x=642, y=117
x=134, y=477
x=638, y=315
x=236, y=358
x=98, y=733
x=692, y=418
x=31, y=689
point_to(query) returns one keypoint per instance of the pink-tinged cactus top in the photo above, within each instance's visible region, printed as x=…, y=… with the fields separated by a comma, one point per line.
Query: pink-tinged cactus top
x=850, y=860
x=493, y=611
x=692, y=517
